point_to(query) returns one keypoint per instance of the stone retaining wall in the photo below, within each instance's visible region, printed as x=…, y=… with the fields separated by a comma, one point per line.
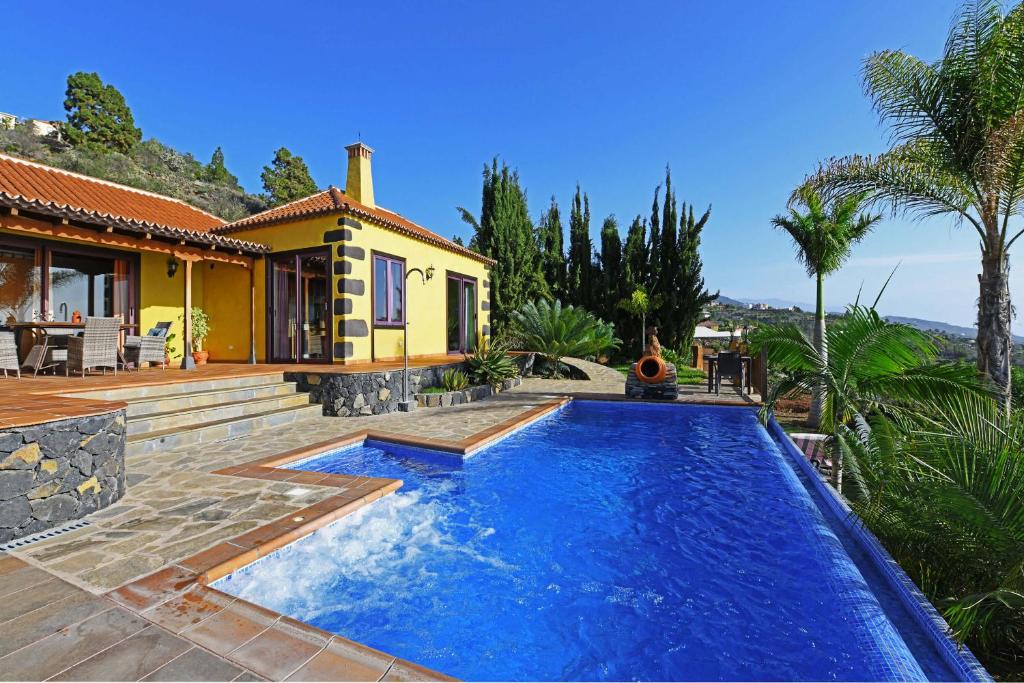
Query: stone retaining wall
x=58, y=471
x=467, y=395
x=373, y=393
x=366, y=393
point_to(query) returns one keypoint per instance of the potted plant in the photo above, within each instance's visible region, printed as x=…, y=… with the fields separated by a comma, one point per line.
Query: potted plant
x=169, y=349
x=200, y=330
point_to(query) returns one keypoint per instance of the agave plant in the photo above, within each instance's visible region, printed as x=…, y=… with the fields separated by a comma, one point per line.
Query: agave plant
x=555, y=331
x=491, y=364
x=454, y=380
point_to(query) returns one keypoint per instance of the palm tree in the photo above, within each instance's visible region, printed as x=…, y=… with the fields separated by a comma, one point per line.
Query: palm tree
x=873, y=367
x=824, y=236
x=958, y=149
x=946, y=497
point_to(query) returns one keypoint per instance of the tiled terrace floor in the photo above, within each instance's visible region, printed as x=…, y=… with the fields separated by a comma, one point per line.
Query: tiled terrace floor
x=176, y=507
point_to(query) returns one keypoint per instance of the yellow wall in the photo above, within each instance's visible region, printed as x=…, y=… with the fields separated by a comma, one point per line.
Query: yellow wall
x=162, y=298
x=226, y=301
x=426, y=301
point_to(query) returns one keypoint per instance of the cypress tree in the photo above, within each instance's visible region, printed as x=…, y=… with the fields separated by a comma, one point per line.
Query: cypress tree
x=654, y=250
x=693, y=296
x=635, y=256
x=579, y=263
x=552, y=255
x=611, y=271
x=505, y=232
x=668, y=269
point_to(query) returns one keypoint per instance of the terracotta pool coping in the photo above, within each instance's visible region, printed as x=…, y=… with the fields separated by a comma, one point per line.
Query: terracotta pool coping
x=179, y=598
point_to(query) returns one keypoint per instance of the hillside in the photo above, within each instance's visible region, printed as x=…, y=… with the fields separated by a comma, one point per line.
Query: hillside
x=955, y=342
x=150, y=165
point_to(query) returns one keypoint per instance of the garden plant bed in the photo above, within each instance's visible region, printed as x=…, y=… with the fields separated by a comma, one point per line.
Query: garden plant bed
x=467, y=395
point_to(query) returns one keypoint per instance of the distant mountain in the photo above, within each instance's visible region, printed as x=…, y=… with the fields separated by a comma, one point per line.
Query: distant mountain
x=919, y=323
x=947, y=328
x=726, y=301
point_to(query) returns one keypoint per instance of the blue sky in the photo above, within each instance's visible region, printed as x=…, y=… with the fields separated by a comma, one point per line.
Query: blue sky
x=741, y=99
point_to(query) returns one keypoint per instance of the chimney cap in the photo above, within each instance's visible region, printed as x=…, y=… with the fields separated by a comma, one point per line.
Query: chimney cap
x=359, y=148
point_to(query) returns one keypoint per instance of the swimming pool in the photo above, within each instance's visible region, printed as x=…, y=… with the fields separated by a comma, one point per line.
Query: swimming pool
x=607, y=541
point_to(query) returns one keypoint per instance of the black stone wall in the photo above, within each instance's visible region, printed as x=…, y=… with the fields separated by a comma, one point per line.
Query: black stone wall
x=59, y=471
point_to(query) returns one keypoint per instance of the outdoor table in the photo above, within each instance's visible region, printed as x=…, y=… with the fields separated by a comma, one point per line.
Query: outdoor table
x=713, y=368
x=55, y=336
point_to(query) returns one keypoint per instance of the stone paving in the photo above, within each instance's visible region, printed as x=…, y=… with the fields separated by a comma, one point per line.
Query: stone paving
x=175, y=506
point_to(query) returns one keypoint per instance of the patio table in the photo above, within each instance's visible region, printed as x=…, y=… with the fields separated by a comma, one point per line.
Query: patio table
x=55, y=336
x=712, y=362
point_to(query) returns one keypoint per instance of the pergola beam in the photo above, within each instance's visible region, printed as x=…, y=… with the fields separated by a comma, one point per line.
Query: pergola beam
x=108, y=238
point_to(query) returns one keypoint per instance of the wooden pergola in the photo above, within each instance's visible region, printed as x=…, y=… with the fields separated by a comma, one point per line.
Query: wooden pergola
x=41, y=220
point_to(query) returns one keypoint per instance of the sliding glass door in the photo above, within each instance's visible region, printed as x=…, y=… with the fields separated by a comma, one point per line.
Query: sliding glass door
x=461, y=316
x=300, y=321
x=42, y=280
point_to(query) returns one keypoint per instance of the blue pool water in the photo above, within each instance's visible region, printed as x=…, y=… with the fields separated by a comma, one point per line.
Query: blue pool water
x=608, y=541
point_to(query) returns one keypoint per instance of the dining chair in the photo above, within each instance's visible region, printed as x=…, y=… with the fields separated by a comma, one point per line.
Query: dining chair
x=730, y=364
x=96, y=348
x=149, y=348
x=9, y=354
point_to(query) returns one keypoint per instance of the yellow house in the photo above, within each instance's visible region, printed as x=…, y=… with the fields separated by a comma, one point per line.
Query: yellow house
x=330, y=278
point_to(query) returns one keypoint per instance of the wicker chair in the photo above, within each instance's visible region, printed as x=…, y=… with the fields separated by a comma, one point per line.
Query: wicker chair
x=96, y=348
x=9, y=354
x=150, y=348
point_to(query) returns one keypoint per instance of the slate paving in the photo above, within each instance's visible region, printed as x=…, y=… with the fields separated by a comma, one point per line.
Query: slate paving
x=56, y=622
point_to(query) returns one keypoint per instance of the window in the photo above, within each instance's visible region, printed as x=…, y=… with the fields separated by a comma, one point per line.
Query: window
x=388, y=288
x=461, y=321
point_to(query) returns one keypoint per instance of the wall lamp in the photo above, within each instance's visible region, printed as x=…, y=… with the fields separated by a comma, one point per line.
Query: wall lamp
x=172, y=266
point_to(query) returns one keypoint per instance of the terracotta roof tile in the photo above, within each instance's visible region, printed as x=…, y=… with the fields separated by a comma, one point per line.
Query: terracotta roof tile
x=333, y=200
x=36, y=182
x=36, y=187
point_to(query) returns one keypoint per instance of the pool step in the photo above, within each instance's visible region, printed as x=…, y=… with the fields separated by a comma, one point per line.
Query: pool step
x=148, y=442
x=151, y=405
x=217, y=412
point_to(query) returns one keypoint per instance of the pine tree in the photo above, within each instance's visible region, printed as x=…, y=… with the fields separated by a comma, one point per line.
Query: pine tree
x=505, y=233
x=287, y=178
x=552, y=255
x=216, y=172
x=579, y=264
x=98, y=116
x=611, y=271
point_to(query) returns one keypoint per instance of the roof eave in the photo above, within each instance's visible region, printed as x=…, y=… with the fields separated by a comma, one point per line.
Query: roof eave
x=132, y=225
x=356, y=211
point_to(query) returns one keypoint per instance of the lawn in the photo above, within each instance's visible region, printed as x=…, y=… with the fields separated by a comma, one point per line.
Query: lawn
x=684, y=375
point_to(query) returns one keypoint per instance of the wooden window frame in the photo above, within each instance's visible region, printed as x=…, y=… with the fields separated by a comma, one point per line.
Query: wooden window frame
x=388, y=259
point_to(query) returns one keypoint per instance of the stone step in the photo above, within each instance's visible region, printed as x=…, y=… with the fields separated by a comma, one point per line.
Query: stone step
x=139, y=407
x=218, y=412
x=176, y=388
x=218, y=430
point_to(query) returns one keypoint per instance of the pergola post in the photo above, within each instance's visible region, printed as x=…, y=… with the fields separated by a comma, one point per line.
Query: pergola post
x=187, y=362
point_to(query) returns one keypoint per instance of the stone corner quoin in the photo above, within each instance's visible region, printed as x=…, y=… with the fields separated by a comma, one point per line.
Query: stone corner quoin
x=56, y=472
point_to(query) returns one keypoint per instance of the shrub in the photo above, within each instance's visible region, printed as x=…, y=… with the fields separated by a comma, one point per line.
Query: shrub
x=454, y=380
x=555, y=331
x=491, y=364
x=200, y=327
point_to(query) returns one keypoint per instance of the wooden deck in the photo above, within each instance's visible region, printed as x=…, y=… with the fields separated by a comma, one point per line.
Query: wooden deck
x=32, y=400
